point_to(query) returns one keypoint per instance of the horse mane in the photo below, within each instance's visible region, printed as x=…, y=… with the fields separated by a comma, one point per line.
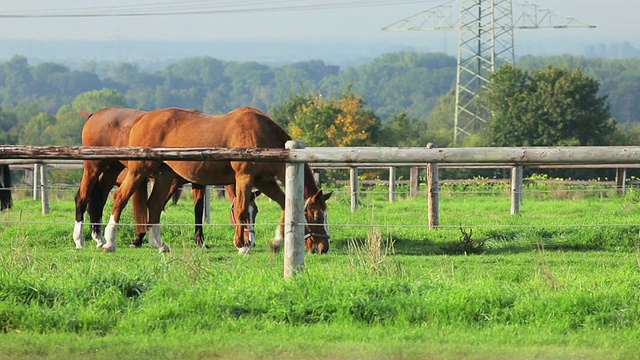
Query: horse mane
x=310, y=186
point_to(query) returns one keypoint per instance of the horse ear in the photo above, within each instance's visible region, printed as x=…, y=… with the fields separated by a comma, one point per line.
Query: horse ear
x=326, y=196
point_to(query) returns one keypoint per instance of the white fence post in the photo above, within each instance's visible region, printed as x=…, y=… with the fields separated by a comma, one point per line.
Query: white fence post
x=414, y=180
x=353, y=182
x=433, y=204
x=621, y=181
x=392, y=184
x=294, y=215
x=516, y=188
x=36, y=177
x=44, y=189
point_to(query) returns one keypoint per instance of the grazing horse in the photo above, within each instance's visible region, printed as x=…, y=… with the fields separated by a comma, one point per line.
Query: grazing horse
x=5, y=188
x=241, y=128
x=110, y=127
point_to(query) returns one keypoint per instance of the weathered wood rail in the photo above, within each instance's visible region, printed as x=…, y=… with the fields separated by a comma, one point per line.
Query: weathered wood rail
x=349, y=155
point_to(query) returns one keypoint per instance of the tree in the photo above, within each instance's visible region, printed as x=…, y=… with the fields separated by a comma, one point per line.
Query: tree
x=92, y=101
x=17, y=81
x=354, y=125
x=67, y=129
x=37, y=131
x=554, y=106
x=8, y=132
x=321, y=121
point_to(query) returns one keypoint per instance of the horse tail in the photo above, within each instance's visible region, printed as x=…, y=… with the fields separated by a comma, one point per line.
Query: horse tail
x=95, y=205
x=5, y=193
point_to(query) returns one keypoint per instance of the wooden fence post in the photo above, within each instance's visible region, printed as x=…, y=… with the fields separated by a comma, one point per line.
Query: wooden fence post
x=432, y=197
x=294, y=215
x=353, y=182
x=36, y=178
x=516, y=188
x=414, y=180
x=392, y=184
x=44, y=189
x=621, y=181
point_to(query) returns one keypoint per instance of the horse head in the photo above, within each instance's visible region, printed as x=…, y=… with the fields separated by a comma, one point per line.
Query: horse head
x=249, y=229
x=316, y=233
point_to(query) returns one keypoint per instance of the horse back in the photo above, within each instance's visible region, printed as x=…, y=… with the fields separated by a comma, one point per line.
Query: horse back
x=177, y=127
x=109, y=126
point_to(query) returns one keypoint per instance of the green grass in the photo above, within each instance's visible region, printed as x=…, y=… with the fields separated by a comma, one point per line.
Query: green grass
x=559, y=280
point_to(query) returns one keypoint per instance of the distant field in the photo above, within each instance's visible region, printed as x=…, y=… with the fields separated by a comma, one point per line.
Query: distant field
x=559, y=280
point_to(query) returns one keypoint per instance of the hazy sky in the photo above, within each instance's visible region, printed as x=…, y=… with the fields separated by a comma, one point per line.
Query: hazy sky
x=291, y=21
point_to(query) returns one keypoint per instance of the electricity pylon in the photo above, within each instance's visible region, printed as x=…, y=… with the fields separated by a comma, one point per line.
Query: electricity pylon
x=485, y=40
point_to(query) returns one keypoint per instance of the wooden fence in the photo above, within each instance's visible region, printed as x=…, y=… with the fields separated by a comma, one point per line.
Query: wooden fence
x=295, y=155
x=37, y=175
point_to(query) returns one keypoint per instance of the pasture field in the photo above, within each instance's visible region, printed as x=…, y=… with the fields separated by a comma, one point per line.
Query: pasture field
x=560, y=280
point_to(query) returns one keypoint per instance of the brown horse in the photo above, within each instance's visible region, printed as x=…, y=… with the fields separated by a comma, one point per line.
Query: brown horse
x=110, y=127
x=241, y=128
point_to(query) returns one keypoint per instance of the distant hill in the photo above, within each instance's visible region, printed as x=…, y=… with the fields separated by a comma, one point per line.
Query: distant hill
x=153, y=55
x=156, y=54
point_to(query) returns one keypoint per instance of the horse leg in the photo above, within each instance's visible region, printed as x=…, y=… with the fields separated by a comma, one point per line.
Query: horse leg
x=139, y=203
x=271, y=189
x=243, y=185
x=99, y=194
x=90, y=173
x=198, y=192
x=157, y=200
x=135, y=177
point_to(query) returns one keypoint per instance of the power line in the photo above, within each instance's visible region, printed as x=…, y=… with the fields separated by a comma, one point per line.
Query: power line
x=201, y=7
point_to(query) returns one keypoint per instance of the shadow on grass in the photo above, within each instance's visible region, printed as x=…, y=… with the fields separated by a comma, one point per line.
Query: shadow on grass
x=505, y=241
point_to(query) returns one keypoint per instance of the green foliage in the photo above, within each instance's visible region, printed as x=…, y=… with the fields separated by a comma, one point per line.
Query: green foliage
x=67, y=129
x=91, y=101
x=321, y=121
x=8, y=129
x=410, y=93
x=403, y=130
x=554, y=106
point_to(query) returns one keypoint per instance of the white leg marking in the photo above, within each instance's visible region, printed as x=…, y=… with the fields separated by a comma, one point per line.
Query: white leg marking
x=78, y=236
x=278, y=239
x=110, y=233
x=244, y=250
x=155, y=238
x=252, y=237
x=98, y=237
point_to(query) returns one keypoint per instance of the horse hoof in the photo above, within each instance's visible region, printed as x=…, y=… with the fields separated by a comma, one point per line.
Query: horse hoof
x=164, y=249
x=106, y=249
x=244, y=250
x=134, y=245
x=275, y=247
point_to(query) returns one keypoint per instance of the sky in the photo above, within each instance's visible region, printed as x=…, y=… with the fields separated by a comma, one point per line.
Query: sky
x=310, y=21
x=284, y=21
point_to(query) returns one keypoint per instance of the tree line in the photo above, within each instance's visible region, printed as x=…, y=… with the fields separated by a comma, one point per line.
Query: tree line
x=398, y=99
